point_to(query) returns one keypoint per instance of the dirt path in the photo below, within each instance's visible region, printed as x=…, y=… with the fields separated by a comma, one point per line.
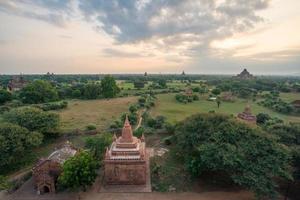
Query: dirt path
x=242, y=195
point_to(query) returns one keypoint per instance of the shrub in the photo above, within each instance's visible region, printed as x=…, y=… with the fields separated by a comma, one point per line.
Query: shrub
x=90, y=127
x=78, y=171
x=53, y=106
x=38, y=91
x=218, y=143
x=97, y=144
x=14, y=142
x=262, y=118
x=138, y=132
x=34, y=119
x=5, y=96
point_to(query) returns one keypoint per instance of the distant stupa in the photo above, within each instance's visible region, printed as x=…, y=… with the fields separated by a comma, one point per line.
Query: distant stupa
x=183, y=73
x=245, y=75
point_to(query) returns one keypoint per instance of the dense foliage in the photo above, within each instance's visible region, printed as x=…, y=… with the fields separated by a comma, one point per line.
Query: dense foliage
x=183, y=98
x=53, y=105
x=273, y=101
x=38, y=91
x=250, y=157
x=14, y=142
x=79, y=171
x=91, y=91
x=5, y=96
x=98, y=144
x=34, y=119
x=109, y=87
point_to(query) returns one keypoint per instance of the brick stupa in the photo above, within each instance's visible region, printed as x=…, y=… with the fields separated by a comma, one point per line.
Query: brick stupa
x=125, y=160
x=247, y=115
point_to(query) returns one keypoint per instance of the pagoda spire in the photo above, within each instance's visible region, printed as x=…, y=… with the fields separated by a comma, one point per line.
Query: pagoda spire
x=127, y=135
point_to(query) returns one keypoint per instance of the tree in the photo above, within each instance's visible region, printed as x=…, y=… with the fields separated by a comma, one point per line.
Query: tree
x=5, y=96
x=79, y=171
x=33, y=119
x=109, y=87
x=92, y=91
x=216, y=91
x=139, y=84
x=38, y=91
x=218, y=102
x=262, y=118
x=97, y=144
x=218, y=143
x=162, y=83
x=14, y=142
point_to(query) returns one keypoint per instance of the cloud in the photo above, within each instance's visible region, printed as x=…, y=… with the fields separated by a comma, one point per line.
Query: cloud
x=142, y=20
x=54, y=12
x=109, y=52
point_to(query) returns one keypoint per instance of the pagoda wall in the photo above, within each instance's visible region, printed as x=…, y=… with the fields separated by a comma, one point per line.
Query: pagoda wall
x=125, y=172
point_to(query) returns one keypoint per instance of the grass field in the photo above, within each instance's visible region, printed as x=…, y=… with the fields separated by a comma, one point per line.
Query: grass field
x=167, y=106
x=289, y=97
x=99, y=112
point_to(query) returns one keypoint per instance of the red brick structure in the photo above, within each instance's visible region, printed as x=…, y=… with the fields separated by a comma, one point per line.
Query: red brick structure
x=125, y=160
x=247, y=115
x=46, y=171
x=296, y=104
x=16, y=83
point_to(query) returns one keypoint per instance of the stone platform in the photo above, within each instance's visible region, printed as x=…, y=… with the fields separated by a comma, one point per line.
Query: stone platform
x=129, y=188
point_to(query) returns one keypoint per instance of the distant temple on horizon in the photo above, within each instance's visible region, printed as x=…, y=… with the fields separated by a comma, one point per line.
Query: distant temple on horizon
x=245, y=75
x=126, y=161
x=16, y=83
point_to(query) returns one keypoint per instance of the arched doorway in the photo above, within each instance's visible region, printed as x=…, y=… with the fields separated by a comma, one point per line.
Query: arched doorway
x=45, y=189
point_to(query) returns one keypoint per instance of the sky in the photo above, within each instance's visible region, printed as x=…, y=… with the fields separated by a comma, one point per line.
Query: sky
x=154, y=36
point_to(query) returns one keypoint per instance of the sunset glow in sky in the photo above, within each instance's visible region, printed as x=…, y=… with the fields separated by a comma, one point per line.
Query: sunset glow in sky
x=157, y=36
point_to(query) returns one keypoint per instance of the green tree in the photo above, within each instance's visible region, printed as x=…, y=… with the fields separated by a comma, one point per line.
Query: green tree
x=262, y=118
x=14, y=141
x=79, y=171
x=139, y=84
x=109, y=87
x=216, y=91
x=38, y=91
x=217, y=143
x=97, y=144
x=5, y=96
x=92, y=91
x=34, y=119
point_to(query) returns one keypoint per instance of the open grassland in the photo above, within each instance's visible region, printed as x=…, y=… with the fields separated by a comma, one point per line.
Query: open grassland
x=167, y=106
x=289, y=97
x=99, y=112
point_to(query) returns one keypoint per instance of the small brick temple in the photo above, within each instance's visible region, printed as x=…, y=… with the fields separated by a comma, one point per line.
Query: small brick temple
x=247, y=115
x=125, y=160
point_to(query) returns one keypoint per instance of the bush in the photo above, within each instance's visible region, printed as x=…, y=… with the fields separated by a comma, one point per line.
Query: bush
x=262, y=118
x=138, y=132
x=170, y=128
x=195, y=97
x=34, y=119
x=14, y=142
x=157, y=122
x=78, y=171
x=132, y=117
x=216, y=91
x=91, y=127
x=97, y=144
x=38, y=91
x=5, y=96
x=53, y=106
x=218, y=143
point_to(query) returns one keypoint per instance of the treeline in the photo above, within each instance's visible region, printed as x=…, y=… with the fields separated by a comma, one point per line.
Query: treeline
x=41, y=91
